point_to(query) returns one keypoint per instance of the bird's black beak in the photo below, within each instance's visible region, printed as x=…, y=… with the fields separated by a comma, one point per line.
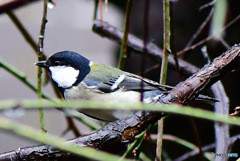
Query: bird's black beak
x=42, y=64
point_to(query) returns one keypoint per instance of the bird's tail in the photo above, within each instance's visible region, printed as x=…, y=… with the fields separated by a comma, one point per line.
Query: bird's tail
x=206, y=99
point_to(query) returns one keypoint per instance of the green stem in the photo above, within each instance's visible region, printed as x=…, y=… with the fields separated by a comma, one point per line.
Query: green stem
x=133, y=145
x=184, y=143
x=219, y=19
x=159, y=140
x=166, y=46
x=95, y=9
x=39, y=93
x=169, y=108
x=40, y=57
x=57, y=142
x=163, y=76
x=71, y=127
x=123, y=52
x=19, y=76
x=139, y=147
x=92, y=126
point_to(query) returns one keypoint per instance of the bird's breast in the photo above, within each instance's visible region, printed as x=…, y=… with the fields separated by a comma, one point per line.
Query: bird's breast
x=83, y=92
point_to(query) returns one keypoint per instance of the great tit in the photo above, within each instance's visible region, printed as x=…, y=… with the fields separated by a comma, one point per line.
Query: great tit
x=78, y=78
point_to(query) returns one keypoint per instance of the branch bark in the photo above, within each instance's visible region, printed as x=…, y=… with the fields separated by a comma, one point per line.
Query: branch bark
x=204, y=78
x=113, y=137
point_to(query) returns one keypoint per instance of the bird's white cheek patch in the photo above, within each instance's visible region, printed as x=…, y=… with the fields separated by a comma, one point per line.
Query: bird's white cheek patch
x=64, y=76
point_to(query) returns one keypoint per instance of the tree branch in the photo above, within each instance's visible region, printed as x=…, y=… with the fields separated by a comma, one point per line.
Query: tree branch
x=13, y=4
x=204, y=78
x=136, y=44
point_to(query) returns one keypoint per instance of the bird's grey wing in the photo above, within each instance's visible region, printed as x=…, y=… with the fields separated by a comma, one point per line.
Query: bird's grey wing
x=149, y=84
x=130, y=82
x=105, y=87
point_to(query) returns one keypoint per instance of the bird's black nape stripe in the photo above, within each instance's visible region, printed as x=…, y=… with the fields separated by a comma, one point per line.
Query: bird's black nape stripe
x=83, y=73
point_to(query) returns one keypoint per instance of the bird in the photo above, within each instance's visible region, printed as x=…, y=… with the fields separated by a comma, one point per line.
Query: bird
x=78, y=78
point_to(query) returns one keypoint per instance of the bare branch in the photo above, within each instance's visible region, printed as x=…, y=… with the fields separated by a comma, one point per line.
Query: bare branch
x=209, y=37
x=136, y=44
x=205, y=77
x=13, y=4
x=200, y=29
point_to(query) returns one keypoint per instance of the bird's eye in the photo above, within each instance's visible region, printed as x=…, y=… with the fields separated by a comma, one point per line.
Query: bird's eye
x=56, y=63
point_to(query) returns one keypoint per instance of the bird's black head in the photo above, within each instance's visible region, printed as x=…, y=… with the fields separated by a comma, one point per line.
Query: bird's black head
x=67, y=68
x=68, y=58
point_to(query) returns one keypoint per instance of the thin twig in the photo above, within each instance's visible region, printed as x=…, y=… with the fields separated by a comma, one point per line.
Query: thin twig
x=136, y=44
x=163, y=74
x=209, y=37
x=72, y=127
x=175, y=139
x=101, y=10
x=20, y=76
x=123, y=52
x=95, y=9
x=225, y=44
x=207, y=5
x=205, y=148
x=200, y=29
x=40, y=57
x=92, y=126
x=132, y=146
x=42, y=31
x=197, y=138
x=145, y=40
x=13, y=4
x=167, y=42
